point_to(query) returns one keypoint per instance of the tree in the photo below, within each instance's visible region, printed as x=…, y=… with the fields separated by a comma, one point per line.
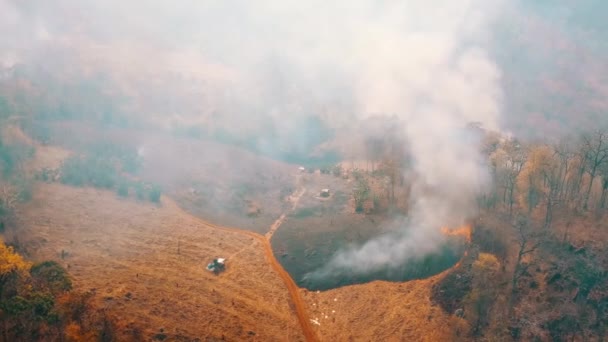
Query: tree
x=50, y=275
x=479, y=301
x=36, y=304
x=508, y=161
x=12, y=270
x=540, y=180
x=123, y=189
x=566, y=154
x=373, y=149
x=595, y=155
x=528, y=242
x=361, y=194
x=604, y=173
x=155, y=193
x=11, y=265
x=9, y=198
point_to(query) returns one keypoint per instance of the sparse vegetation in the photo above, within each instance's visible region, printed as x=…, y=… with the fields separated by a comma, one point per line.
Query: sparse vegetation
x=154, y=194
x=123, y=189
x=14, y=186
x=83, y=171
x=106, y=167
x=305, y=212
x=361, y=193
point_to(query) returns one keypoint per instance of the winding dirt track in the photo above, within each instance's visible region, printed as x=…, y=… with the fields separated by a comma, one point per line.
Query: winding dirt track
x=298, y=303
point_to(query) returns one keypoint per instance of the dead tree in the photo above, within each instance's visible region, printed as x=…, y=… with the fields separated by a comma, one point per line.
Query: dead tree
x=552, y=177
x=516, y=158
x=9, y=198
x=595, y=153
x=528, y=242
x=604, y=174
x=565, y=153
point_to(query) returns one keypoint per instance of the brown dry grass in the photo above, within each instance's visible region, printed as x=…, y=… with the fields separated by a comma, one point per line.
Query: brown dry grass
x=122, y=249
x=383, y=311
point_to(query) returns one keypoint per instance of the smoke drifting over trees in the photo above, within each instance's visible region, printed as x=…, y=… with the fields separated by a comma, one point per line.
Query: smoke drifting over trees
x=436, y=81
x=261, y=70
x=262, y=67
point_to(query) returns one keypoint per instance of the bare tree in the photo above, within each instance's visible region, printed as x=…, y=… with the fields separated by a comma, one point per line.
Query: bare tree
x=516, y=156
x=595, y=154
x=528, y=242
x=551, y=172
x=374, y=148
x=9, y=197
x=604, y=173
x=565, y=153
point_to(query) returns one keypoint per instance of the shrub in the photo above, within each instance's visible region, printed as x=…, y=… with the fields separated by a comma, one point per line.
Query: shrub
x=73, y=171
x=337, y=170
x=154, y=194
x=37, y=130
x=34, y=298
x=304, y=213
x=11, y=155
x=50, y=275
x=80, y=171
x=123, y=157
x=123, y=189
x=140, y=191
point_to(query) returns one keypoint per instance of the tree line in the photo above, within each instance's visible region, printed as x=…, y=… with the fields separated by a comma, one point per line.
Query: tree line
x=570, y=174
x=37, y=303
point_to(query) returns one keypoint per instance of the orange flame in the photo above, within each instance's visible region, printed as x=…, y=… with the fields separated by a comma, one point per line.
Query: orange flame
x=464, y=231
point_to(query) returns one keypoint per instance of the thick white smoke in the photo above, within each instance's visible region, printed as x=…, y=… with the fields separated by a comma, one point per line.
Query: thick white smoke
x=434, y=77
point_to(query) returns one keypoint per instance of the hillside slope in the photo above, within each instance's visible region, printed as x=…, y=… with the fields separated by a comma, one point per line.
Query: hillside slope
x=146, y=265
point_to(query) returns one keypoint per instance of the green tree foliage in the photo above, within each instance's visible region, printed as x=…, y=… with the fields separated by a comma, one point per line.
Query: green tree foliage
x=140, y=191
x=50, y=275
x=122, y=189
x=80, y=171
x=37, y=130
x=478, y=302
x=361, y=193
x=12, y=267
x=100, y=172
x=36, y=303
x=154, y=194
x=125, y=158
x=336, y=170
x=12, y=155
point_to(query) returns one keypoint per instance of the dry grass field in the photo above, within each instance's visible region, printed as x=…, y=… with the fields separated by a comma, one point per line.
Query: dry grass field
x=146, y=265
x=383, y=311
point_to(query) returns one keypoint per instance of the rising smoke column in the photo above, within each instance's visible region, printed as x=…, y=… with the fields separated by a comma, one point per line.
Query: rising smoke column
x=436, y=79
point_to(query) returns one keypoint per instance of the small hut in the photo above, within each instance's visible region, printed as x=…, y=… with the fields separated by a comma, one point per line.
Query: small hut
x=325, y=193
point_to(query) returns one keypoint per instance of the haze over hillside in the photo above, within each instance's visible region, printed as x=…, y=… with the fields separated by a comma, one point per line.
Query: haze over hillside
x=329, y=170
x=305, y=59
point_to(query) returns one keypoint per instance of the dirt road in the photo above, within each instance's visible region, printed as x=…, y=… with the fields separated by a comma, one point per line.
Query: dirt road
x=294, y=199
x=298, y=303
